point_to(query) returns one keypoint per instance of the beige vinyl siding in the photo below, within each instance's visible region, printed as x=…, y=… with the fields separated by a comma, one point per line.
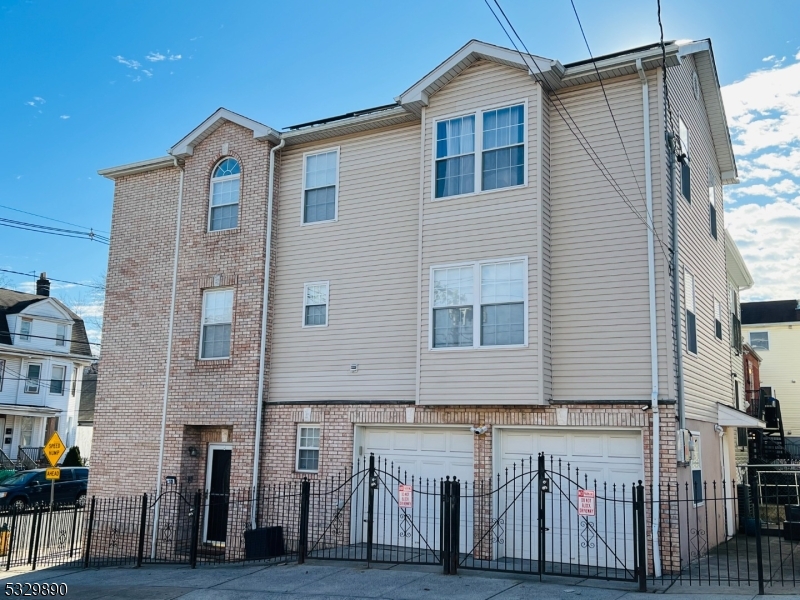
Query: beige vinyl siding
x=369, y=258
x=545, y=306
x=780, y=369
x=707, y=375
x=737, y=359
x=600, y=298
x=491, y=225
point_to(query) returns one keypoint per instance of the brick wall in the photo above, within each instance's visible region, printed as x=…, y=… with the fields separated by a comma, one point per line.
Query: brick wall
x=214, y=395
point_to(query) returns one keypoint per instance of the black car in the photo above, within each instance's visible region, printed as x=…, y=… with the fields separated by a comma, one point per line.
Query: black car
x=30, y=488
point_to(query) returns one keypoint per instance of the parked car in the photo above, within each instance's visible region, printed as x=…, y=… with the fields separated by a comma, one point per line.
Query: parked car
x=30, y=488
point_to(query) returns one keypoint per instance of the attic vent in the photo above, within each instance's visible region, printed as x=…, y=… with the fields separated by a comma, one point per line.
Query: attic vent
x=696, y=86
x=353, y=367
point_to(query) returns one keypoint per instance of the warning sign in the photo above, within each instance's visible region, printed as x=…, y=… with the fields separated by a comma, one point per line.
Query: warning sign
x=404, y=496
x=54, y=449
x=54, y=474
x=586, y=503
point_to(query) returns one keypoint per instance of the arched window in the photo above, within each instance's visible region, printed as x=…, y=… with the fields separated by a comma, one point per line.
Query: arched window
x=224, y=213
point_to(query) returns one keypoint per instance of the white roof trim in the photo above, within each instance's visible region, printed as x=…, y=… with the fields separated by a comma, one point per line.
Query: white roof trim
x=260, y=131
x=29, y=411
x=715, y=109
x=735, y=265
x=29, y=310
x=727, y=416
x=137, y=167
x=418, y=94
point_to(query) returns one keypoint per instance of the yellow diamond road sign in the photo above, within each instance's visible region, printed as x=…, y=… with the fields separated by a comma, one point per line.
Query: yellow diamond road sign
x=54, y=449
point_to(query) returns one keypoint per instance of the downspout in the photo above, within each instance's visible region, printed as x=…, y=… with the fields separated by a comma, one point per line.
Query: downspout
x=676, y=283
x=651, y=277
x=169, y=361
x=263, y=348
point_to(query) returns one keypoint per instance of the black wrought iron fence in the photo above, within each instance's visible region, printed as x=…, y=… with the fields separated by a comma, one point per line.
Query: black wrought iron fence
x=540, y=517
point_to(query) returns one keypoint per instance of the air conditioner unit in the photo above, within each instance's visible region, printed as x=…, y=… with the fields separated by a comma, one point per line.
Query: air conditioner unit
x=684, y=450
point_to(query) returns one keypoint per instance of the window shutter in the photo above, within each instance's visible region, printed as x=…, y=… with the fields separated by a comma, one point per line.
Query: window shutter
x=686, y=188
x=688, y=291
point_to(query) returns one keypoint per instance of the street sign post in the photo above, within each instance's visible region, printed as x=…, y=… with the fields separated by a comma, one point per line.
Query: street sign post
x=53, y=451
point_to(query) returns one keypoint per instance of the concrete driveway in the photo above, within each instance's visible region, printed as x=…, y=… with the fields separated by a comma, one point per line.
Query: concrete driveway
x=336, y=580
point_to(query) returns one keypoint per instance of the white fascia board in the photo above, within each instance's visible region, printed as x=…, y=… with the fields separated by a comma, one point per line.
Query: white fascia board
x=28, y=310
x=727, y=416
x=185, y=147
x=34, y=352
x=418, y=94
x=625, y=60
x=23, y=410
x=137, y=167
x=735, y=265
x=344, y=126
x=715, y=109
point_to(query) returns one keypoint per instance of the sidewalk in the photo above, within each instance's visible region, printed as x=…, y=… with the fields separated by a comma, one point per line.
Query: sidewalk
x=338, y=580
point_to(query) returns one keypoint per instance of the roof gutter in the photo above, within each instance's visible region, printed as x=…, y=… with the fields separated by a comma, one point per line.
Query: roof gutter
x=651, y=282
x=263, y=348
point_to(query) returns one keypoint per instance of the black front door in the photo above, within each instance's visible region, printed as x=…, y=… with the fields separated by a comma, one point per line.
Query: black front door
x=218, y=495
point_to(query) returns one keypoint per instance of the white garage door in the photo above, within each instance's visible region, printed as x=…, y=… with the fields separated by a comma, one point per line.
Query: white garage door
x=421, y=457
x=607, y=462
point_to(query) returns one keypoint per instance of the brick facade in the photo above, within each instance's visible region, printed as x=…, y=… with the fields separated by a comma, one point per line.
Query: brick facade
x=206, y=397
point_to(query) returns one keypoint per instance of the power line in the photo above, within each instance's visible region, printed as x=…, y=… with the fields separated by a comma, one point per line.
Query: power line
x=47, y=337
x=52, y=219
x=576, y=131
x=54, y=230
x=32, y=274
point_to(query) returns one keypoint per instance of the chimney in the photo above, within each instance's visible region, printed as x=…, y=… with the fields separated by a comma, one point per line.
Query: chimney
x=43, y=285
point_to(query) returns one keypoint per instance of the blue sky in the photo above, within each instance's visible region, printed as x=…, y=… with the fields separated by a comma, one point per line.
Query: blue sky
x=88, y=85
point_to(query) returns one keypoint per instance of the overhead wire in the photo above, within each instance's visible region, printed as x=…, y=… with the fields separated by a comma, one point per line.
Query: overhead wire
x=580, y=137
x=52, y=219
x=32, y=274
x=47, y=337
x=71, y=233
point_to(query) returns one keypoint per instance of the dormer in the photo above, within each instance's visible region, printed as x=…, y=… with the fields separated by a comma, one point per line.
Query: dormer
x=43, y=325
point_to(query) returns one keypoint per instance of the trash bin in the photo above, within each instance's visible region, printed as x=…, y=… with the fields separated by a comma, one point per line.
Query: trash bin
x=263, y=542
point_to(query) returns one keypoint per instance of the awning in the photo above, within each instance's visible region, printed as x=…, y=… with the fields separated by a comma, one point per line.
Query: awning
x=727, y=416
x=28, y=411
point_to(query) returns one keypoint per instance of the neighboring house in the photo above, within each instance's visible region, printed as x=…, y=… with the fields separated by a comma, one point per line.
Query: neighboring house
x=453, y=260
x=83, y=434
x=43, y=350
x=773, y=330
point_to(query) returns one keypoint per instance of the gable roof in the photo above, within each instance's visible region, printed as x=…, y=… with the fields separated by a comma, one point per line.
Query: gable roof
x=260, y=131
x=13, y=302
x=775, y=311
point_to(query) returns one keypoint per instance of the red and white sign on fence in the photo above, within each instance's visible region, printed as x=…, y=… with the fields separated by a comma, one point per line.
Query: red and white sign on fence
x=404, y=496
x=586, y=503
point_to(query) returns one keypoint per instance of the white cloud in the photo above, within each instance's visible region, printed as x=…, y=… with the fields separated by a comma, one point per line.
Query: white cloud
x=768, y=58
x=767, y=237
x=155, y=57
x=147, y=72
x=175, y=57
x=786, y=186
x=130, y=63
x=39, y=99
x=65, y=117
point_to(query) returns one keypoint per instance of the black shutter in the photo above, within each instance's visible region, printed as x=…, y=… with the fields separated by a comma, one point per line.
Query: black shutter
x=713, y=217
x=686, y=187
x=691, y=332
x=718, y=329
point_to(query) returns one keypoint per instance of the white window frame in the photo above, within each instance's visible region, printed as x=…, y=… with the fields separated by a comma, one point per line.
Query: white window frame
x=476, y=304
x=718, y=318
x=301, y=426
x=61, y=341
x=203, y=320
x=327, y=303
x=212, y=181
x=74, y=382
x=25, y=337
x=27, y=378
x=63, y=380
x=750, y=340
x=688, y=273
x=303, y=189
x=681, y=129
x=478, y=114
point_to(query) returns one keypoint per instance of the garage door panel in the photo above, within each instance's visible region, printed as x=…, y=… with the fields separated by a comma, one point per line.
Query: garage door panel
x=378, y=440
x=462, y=443
x=405, y=440
x=587, y=445
x=624, y=446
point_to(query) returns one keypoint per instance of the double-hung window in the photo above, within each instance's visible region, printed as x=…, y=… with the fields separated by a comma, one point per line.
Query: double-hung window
x=497, y=134
x=32, y=379
x=691, y=318
x=25, y=328
x=308, y=448
x=215, y=337
x=57, y=375
x=320, y=186
x=717, y=319
x=494, y=290
x=712, y=203
x=685, y=159
x=455, y=156
x=61, y=335
x=503, y=147
x=225, y=182
x=315, y=304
